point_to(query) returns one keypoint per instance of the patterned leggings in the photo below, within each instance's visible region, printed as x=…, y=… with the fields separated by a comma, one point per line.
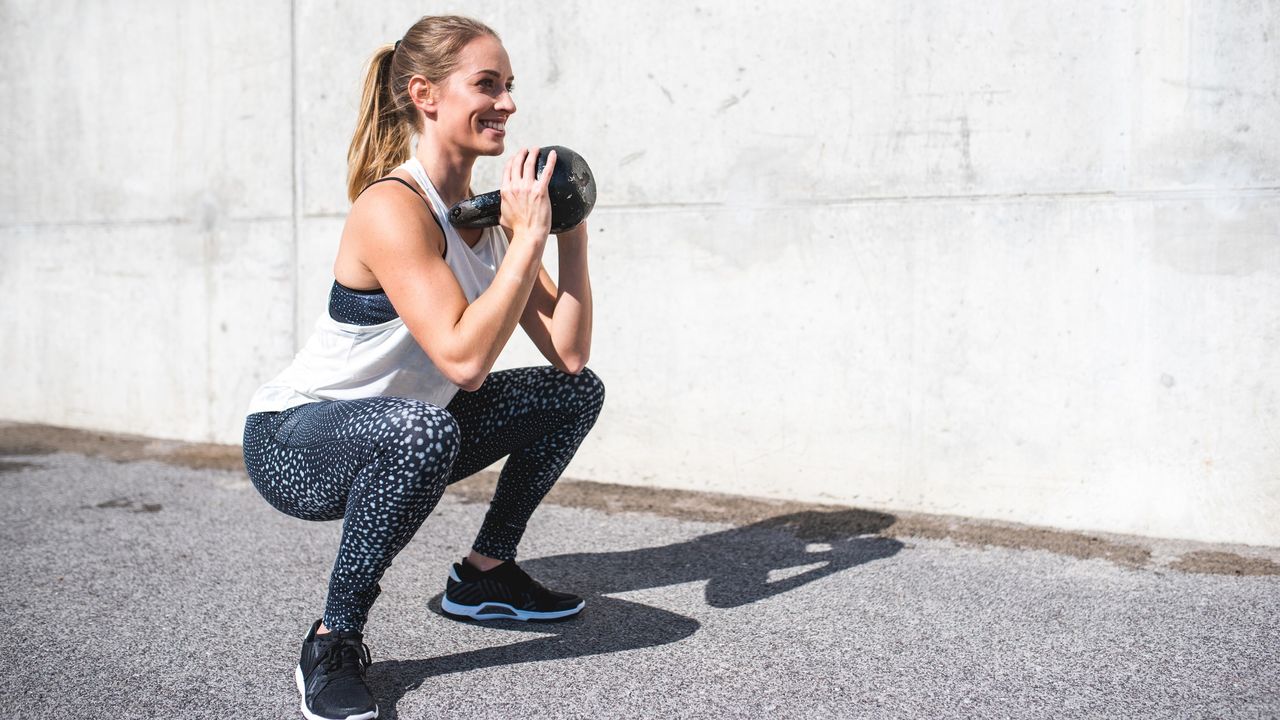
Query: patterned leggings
x=382, y=463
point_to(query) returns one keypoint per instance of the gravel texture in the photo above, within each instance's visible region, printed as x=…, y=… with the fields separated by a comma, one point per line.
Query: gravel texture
x=157, y=583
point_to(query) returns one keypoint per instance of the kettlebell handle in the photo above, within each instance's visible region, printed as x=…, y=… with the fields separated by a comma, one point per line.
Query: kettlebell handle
x=572, y=191
x=477, y=212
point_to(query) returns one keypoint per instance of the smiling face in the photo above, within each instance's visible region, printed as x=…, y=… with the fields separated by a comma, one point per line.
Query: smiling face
x=474, y=102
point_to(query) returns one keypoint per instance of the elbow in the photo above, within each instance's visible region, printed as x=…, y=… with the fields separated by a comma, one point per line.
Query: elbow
x=470, y=385
x=573, y=364
x=468, y=376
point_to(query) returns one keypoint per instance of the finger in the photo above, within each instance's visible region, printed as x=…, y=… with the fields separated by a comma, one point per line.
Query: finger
x=548, y=169
x=530, y=164
x=512, y=173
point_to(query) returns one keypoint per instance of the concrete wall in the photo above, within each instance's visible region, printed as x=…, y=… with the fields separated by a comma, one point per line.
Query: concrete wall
x=1007, y=259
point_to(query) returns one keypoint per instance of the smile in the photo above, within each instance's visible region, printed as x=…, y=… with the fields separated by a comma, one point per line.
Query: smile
x=497, y=125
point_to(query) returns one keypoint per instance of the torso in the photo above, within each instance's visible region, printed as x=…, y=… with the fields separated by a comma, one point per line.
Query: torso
x=351, y=272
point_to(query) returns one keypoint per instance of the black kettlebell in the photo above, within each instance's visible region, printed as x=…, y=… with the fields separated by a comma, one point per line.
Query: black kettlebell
x=572, y=190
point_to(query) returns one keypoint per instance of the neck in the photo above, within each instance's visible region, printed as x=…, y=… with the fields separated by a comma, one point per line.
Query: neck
x=448, y=168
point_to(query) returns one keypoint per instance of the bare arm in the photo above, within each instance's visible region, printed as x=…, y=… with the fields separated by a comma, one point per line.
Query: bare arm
x=558, y=320
x=402, y=248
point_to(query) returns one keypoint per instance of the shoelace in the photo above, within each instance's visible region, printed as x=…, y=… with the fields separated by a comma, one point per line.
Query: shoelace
x=520, y=579
x=523, y=583
x=346, y=654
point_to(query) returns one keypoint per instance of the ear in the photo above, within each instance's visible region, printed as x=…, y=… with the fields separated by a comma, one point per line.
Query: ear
x=424, y=94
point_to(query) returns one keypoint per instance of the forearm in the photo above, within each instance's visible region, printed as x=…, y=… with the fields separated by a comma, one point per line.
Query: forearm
x=488, y=322
x=571, y=319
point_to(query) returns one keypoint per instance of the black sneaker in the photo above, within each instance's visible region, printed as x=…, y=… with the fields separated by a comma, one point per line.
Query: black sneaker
x=504, y=593
x=330, y=676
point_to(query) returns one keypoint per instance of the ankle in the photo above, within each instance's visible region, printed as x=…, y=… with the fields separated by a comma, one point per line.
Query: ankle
x=483, y=563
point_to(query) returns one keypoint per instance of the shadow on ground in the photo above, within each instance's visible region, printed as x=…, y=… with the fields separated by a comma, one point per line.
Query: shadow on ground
x=736, y=565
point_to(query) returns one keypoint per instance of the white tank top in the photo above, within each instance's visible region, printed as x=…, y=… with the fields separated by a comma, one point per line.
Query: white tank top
x=344, y=362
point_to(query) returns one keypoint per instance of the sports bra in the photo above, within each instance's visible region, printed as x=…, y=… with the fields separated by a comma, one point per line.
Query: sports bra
x=370, y=307
x=345, y=360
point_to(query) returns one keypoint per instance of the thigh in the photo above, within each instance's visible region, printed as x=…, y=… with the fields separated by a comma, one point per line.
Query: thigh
x=512, y=409
x=305, y=460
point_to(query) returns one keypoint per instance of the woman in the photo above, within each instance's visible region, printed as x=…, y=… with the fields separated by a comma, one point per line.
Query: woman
x=392, y=398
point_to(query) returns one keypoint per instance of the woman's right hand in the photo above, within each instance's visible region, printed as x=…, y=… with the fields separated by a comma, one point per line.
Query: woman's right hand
x=526, y=206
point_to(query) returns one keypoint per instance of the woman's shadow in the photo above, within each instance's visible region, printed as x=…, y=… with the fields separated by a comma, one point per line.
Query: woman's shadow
x=736, y=564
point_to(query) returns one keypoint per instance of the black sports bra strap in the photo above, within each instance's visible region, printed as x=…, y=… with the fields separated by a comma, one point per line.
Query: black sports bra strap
x=402, y=182
x=430, y=211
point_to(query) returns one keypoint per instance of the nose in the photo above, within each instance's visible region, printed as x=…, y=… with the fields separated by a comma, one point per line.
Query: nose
x=506, y=102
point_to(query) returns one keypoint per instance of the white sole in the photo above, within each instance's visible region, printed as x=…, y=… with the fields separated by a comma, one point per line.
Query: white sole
x=504, y=611
x=302, y=690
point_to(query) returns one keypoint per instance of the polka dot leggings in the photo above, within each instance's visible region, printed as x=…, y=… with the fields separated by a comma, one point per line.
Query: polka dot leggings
x=382, y=463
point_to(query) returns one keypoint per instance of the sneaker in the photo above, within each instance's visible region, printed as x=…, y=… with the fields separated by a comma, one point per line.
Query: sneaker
x=504, y=593
x=330, y=676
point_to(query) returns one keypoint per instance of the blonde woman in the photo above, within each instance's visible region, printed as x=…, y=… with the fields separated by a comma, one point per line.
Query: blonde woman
x=393, y=397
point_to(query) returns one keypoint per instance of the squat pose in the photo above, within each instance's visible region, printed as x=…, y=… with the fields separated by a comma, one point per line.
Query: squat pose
x=392, y=398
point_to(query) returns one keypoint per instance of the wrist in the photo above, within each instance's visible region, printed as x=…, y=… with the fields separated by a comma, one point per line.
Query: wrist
x=525, y=236
x=575, y=234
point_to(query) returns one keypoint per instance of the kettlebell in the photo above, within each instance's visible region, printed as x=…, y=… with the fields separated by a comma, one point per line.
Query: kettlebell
x=572, y=191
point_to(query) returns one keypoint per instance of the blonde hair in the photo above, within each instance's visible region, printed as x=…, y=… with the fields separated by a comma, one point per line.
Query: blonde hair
x=387, y=120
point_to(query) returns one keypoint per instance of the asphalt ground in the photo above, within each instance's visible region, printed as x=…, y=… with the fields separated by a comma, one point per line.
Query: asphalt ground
x=144, y=579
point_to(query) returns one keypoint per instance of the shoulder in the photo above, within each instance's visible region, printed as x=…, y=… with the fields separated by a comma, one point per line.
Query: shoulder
x=391, y=212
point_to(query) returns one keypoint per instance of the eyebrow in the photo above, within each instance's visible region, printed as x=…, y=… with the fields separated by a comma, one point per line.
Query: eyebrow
x=494, y=73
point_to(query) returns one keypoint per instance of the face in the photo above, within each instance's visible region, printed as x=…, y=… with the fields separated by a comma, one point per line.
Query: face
x=474, y=102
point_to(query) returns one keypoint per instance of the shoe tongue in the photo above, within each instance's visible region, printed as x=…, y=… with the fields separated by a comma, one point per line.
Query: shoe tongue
x=341, y=651
x=507, y=570
x=514, y=574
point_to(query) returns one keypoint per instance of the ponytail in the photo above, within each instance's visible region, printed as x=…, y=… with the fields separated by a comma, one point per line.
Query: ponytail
x=381, y=141
x=387, y=118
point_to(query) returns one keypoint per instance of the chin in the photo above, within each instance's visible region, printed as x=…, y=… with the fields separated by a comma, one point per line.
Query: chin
x=495, y=146
x=484, y=147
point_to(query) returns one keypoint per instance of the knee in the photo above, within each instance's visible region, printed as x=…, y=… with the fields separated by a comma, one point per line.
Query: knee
x=589, y=389
x=422, y=438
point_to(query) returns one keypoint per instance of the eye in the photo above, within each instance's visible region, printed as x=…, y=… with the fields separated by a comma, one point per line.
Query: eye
x=486, y=83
